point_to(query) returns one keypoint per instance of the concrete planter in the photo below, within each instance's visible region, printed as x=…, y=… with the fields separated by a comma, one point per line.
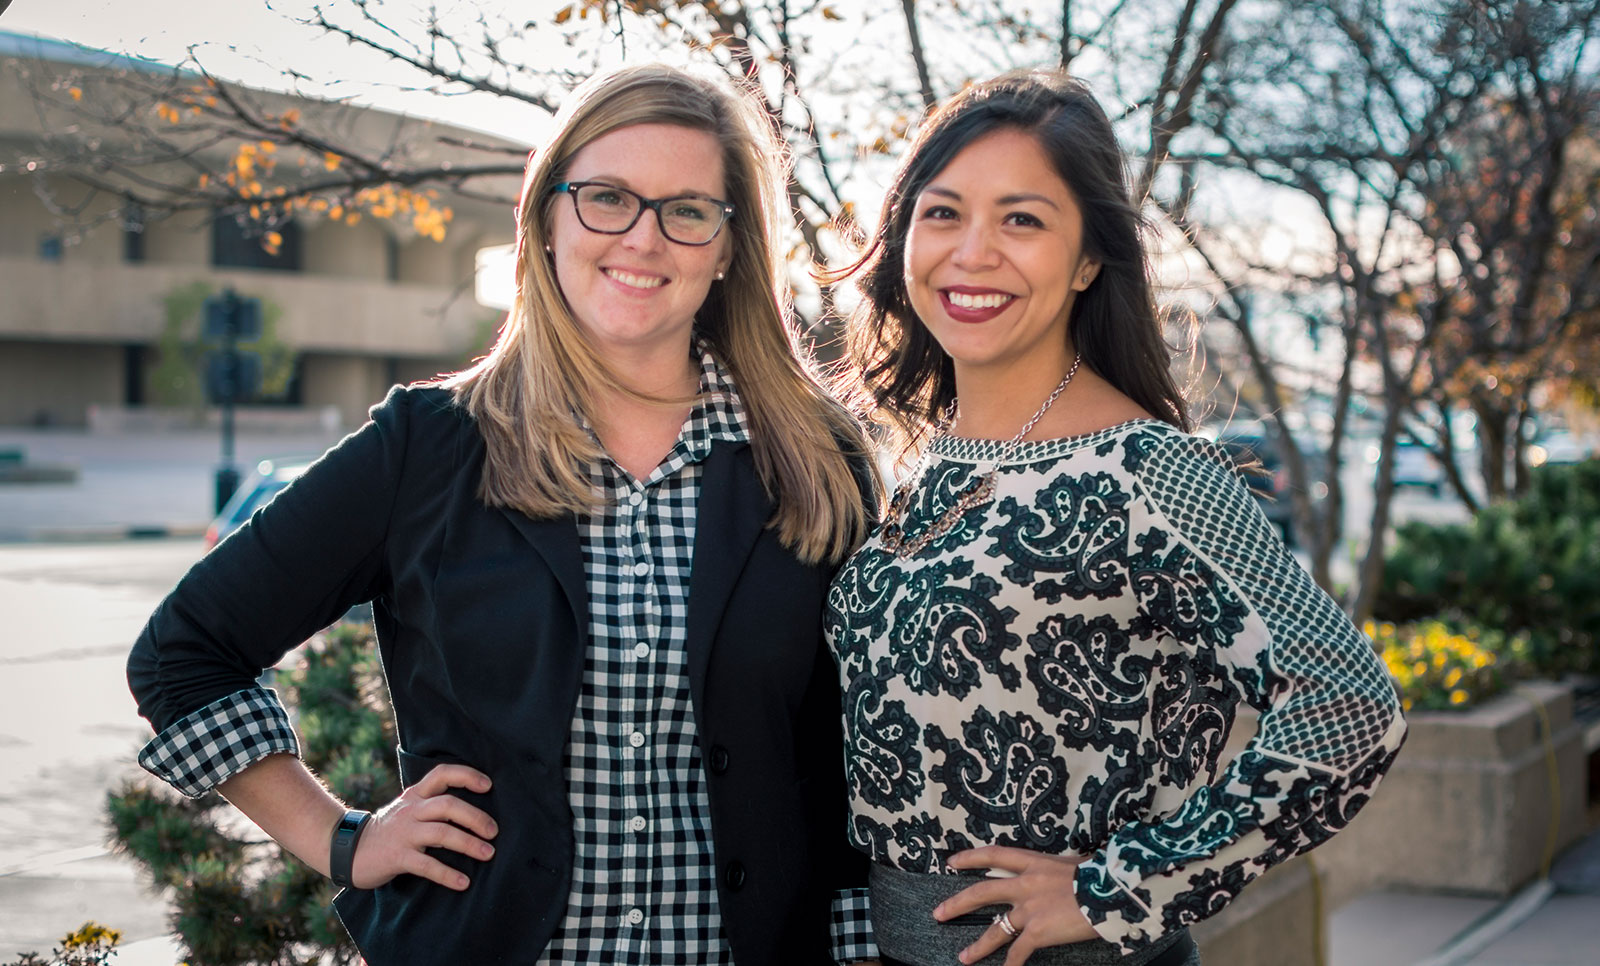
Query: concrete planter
x=1274, y=922
x=1468, y=805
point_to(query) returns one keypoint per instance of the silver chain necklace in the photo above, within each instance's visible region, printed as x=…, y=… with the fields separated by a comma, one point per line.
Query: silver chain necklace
x=978, y=492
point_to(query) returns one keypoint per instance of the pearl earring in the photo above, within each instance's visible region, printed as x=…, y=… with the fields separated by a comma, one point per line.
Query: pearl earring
x=721, y=276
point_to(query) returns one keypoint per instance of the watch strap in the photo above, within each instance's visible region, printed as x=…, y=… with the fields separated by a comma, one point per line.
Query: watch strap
x=342, y=853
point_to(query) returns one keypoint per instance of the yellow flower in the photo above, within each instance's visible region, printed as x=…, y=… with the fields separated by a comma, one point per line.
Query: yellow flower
x=1458, y=697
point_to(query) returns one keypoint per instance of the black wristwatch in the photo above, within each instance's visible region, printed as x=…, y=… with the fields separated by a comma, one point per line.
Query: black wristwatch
x=342, y=854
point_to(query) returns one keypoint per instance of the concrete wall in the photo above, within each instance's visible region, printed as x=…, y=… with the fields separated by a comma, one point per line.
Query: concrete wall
x=1468, y=804
x=1277, y=920
x=424, y=261
x=352, y=383
x=180, y=240
x=348, y=251
x=49, y=301
x=356, y=383
x=55, y=383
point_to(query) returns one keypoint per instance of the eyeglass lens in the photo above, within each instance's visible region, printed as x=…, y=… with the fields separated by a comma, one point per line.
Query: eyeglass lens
x=690, y=221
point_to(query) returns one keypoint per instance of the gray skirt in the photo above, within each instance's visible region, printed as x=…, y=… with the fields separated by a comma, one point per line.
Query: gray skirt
x=903, y=924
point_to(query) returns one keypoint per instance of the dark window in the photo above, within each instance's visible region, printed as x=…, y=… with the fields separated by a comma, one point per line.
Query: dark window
x=50, y=248
x=235, y=245
x=133, y=361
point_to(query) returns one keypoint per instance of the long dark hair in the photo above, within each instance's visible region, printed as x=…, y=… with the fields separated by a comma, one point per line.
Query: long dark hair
x=902, y=371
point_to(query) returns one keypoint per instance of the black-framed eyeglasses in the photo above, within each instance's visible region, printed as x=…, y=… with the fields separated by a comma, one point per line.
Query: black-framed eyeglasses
x=610, y=210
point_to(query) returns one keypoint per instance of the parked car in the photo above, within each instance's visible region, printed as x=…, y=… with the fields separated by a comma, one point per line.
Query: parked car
x=255, y=492
x=1415, y=465
x=1559, y=446
x=1257, y=453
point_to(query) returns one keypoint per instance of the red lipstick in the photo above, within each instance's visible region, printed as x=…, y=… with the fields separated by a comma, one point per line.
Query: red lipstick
x=973, y=314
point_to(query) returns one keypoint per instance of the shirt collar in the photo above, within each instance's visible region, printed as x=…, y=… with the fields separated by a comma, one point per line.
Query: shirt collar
x=719, y=416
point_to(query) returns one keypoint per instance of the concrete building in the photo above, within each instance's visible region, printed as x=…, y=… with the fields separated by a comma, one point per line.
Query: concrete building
x=84, y=286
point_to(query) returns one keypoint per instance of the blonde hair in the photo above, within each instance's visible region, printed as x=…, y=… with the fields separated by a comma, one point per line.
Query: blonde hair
x=542, y=369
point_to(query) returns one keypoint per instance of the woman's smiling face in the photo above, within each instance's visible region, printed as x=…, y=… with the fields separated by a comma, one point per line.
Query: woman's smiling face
x=638, y=289
x=994, y=254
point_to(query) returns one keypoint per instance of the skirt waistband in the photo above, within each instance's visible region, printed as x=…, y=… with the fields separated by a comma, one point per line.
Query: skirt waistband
x=903, y=923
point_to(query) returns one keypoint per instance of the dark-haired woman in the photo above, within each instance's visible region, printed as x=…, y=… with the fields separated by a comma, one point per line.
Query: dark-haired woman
x=1044, y=645
x=598, y=561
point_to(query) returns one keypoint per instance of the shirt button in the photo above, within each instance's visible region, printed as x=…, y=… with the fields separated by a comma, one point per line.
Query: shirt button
x=641, y=568
x=636, y=498
x=635, y=916
x=636, y=739
x=636, y=823
x=641, y=650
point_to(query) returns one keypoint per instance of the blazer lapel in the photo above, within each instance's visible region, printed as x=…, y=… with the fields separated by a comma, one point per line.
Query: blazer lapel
x=732, y=511
x=556, y=540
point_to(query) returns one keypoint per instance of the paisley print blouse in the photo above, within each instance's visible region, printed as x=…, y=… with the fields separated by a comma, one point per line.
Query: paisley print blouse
x=1060, y=670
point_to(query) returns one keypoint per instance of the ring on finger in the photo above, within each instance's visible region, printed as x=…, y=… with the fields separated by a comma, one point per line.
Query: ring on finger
x=1004, y=922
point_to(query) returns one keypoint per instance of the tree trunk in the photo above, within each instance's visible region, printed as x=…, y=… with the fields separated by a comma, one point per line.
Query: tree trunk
x=1371, y=575
x=1519, y=450
x=1491, y=447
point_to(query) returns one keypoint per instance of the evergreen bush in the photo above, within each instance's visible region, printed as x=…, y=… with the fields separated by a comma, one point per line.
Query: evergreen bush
x=237, y=898
x=1529, y=566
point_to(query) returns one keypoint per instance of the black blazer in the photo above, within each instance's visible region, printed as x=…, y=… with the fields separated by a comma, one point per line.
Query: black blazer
x=481, y=617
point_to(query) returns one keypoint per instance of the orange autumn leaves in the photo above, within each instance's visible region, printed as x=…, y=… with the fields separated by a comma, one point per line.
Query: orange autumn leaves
x=271, y=173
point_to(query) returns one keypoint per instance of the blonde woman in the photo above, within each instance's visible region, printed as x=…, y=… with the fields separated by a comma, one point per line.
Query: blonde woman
x=598, y=562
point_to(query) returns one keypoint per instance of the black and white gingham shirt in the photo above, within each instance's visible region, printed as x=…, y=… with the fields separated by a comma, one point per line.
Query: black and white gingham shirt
x=644, y=878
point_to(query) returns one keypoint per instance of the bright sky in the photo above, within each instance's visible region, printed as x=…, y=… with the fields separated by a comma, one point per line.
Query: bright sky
x=252, y=41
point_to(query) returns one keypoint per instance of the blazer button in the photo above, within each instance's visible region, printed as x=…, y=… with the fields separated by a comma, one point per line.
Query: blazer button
x=719, y=759
x=733, y=876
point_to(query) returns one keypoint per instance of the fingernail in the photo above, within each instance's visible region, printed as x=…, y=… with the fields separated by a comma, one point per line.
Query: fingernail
x=938, y=911
x=461, y=882
x=487, y=851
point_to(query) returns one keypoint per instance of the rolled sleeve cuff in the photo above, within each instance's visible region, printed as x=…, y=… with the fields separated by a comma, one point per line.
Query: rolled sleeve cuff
x=1119, y=914
x=851, y=927
x=209, y=746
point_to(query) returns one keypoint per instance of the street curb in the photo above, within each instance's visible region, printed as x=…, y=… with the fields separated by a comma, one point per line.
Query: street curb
x=1500, y=921
x=103, y=534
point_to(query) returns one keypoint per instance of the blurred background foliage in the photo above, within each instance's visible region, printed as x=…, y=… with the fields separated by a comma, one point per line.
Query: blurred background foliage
x=237, y=898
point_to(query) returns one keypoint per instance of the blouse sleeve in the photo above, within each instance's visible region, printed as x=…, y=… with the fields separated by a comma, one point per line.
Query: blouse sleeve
x=1210, y=573
x=299, y=564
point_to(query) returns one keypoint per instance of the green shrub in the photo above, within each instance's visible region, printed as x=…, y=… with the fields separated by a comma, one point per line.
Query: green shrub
x=239, y=900
x=1529, y=566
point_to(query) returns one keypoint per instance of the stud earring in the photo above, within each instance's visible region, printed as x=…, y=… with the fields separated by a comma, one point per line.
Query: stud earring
x=548, y=249
x=721, y=276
